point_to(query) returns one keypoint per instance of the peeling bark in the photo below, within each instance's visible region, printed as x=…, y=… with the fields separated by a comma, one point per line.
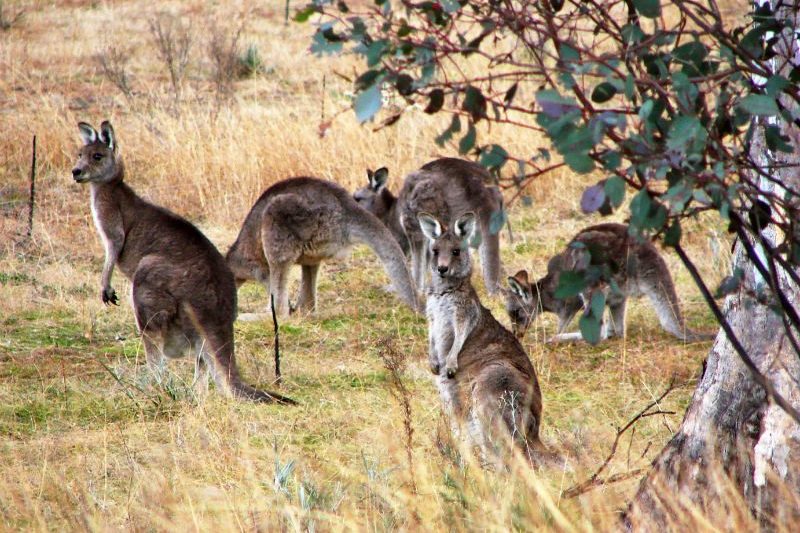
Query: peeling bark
x=735, y=461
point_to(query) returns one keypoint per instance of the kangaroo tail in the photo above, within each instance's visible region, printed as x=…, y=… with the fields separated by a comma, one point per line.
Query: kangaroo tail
x=246, y=392
x=490, y=248
x=219, y=355
x=366, y=228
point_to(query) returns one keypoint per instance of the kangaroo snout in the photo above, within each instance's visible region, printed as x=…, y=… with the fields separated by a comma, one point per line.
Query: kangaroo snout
x=442, y=269
x=77, y=174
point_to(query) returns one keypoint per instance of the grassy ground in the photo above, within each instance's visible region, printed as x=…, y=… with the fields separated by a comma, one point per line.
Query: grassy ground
x=89, y=440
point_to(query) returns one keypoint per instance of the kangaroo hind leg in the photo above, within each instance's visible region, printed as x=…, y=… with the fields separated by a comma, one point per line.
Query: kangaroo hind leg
x=155, y=311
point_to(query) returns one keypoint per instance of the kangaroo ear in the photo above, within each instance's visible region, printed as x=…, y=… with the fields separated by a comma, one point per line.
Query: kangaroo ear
x=522, y=277
x=519, y=289
x=88, y=133
x=107, y=135
x=464, y=226
x=379, y=178
x=429, y=225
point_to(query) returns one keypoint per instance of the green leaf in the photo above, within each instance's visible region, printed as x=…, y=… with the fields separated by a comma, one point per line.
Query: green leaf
x=366, y=79
x=568, y=53
x=435, y=101
x=672, y=237
x=759, y=104
x=640, y=208
x=593, y=198
x=598, y=304
x=776, y=141
x=615, y=190
x=450, y=6
x=648, y=8
x=404, y=84
x=691, y=52
x=304, y=14
x=632, y=33
x=468, y=140
x=603, y=92
x=630, y=87
x=590, y=329
x=368, y=103
x=496, y=221
x=570, y=284
x=684, y=130
x=493, y=156
x=611, y=160
x=325, y=41
x=446, y=135
x=776, y=84
x=474, y=103
x=580, y=163
x=553, y=104
x=510, y=94
x=375, y=51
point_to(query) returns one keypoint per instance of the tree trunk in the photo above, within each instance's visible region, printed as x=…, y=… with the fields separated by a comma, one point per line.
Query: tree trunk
x=735, y=461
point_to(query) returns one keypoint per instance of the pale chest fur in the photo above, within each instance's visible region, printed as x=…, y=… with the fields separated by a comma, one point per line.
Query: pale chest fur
x=97, y=216
x=445, y=312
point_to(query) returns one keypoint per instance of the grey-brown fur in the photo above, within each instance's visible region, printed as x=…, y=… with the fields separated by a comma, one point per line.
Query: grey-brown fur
x=183, y=294
x=485, y=379
x=305, y=221
x=636, y=267
x=441, y=187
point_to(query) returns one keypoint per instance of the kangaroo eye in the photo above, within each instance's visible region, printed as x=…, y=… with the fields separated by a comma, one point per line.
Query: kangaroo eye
x=457, y=252
x=97, y=157
x=436, y=252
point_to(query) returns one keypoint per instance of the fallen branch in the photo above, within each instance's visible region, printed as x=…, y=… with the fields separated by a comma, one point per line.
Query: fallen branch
x=595, y=480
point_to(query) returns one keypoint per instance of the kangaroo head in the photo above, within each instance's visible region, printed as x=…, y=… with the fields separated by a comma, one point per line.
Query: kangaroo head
x=523, y=303
x=449, y=246
x=373, y=196
x=565, y=308
x=97, y=159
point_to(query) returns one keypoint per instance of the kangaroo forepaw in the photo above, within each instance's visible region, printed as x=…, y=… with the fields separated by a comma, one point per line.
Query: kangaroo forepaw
x=109, y=296
x=451, y=372
x=435, y=368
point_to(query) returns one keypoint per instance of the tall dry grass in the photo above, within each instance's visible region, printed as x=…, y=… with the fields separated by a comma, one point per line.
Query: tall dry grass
x=88, y=441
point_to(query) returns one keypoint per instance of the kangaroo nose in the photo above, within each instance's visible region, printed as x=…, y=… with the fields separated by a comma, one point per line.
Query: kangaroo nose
x=442, y=269
x=76, y=172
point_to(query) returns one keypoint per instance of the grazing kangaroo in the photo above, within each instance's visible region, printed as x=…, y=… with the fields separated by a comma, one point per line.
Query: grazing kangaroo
x=486, y=381
x=441, y=187
x=635, y=267
x=183, y=294
x=305, y=221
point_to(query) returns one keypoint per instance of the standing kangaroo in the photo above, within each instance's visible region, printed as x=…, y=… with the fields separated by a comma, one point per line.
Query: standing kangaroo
x=486, y=381
x=441, y=187
x=305, y=221
x=636, y=268
x=183, y=294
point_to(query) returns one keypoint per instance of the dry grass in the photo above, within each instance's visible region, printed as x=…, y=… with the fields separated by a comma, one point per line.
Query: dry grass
x=87, y=441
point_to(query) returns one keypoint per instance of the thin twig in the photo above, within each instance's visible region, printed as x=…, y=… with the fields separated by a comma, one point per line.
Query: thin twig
x=595, y=480
x=277, y=341
x=32, y=197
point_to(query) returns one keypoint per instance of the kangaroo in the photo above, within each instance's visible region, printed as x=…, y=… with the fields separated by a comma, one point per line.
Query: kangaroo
x=183, y=294
x=486, y=381
x=441, y=187
x=636, y=268
x=305, y=221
